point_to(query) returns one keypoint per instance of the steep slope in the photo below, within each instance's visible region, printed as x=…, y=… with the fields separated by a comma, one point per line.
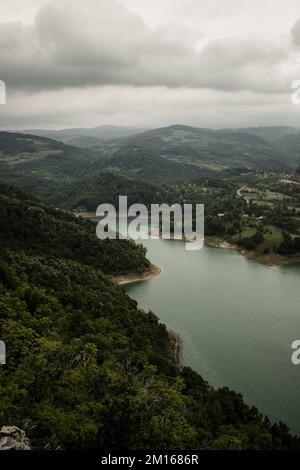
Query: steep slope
x=35, y=228
x=87, y=369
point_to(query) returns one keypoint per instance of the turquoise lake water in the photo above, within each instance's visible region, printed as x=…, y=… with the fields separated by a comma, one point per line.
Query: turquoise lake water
x=237, y=318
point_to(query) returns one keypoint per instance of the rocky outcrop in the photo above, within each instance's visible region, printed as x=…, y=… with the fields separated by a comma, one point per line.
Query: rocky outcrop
x=13, y=438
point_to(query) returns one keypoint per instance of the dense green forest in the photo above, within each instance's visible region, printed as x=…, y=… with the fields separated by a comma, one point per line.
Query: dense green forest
x=263, y=218
x=88, y=192
x=213, y=150
x=86, y=368
x=36, y=228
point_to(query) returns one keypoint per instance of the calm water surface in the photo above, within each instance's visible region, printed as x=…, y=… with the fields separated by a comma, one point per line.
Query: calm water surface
x=237, y=318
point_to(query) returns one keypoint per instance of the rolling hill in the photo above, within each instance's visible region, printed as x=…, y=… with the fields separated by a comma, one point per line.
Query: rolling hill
x=57, y=172
x=40, y=165
x=207, y=149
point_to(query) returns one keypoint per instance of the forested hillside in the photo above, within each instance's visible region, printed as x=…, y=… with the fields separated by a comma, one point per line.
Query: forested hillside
x=86, y=368
x=211, y=150
x=41, y=165
x=35, y=228
x=88, y=192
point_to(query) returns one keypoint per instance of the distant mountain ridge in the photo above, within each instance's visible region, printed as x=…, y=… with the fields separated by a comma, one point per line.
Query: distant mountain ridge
x=270, y=134
x=85, y=136
x=167, y=155
x=106, y=138
x=209, y=149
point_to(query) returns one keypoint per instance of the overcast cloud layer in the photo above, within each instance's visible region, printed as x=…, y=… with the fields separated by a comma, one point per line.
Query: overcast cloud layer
x=212, y=63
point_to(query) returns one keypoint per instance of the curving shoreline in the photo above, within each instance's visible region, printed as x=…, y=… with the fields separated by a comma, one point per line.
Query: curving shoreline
x=272, y=260
x=131, y=278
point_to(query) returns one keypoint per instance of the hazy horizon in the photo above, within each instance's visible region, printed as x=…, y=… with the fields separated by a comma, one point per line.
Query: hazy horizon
x=141, y=129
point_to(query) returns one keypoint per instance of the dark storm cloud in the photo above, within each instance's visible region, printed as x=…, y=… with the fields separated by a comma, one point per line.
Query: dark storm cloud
x=214, y=63
x=75, y=44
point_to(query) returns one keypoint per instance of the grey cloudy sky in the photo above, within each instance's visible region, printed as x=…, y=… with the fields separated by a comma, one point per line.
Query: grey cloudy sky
x=210, y=63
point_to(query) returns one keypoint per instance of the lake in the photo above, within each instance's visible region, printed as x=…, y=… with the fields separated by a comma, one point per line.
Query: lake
x=237, y=318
